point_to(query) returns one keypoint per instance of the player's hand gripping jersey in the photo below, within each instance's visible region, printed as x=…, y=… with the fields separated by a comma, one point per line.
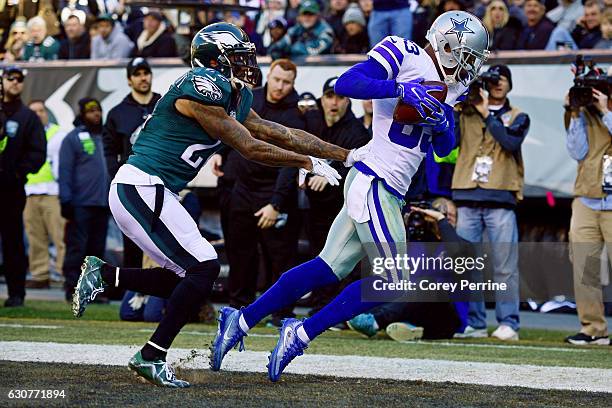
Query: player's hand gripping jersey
x=396, y=150
x=173, y=147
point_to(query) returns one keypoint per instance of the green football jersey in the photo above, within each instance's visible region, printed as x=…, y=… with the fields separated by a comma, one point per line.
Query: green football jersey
x=174, y=147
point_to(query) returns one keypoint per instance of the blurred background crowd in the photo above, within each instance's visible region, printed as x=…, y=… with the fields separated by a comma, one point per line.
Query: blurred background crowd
x=36, y=30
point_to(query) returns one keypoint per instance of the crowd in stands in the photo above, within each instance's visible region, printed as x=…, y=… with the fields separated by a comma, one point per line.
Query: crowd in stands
x=36, y=31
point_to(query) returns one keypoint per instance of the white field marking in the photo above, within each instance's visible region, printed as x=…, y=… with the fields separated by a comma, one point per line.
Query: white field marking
x=203, y=333
x=29, y=326
x=497, y=374
x=425, y=342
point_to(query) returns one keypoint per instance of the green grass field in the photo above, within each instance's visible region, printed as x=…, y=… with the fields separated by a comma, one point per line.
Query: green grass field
x=100, y=325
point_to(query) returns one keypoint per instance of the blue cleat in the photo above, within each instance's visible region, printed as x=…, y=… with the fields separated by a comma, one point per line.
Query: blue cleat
x=229, y=334
x=289, y=346
x=364, y=323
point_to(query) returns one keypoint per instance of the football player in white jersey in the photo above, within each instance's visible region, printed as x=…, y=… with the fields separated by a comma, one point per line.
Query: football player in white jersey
x=370, y=222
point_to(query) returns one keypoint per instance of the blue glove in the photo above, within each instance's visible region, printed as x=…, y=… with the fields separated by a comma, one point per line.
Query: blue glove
x=415, y=94
x=437, y=120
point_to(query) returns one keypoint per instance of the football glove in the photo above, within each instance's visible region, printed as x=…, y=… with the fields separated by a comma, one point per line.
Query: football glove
x=320, y=168
x=415, y=94
x=437, y=120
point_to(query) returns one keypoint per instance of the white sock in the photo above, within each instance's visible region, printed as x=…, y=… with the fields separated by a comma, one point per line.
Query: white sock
x=301, y=333
x=117, y=277
x=243, y=324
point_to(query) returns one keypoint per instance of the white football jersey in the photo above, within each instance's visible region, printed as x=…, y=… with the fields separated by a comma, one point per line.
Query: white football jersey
x=397, y=150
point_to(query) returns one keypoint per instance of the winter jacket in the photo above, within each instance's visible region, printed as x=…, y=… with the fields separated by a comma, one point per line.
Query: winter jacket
x=506, y=38
x=47, y=50
x=272, y=185
x=23, y=149
x=159, y=45
x=119, y=131
x=349, y=133
x=303, y=42
x=83, y=178
x=585, y=38
x=79, y=49
x=536, y=37
x=116, y=46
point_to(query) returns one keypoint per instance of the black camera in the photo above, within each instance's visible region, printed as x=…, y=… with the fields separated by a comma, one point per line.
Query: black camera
x=416, y=225
x=485, y=78
x=588, y=77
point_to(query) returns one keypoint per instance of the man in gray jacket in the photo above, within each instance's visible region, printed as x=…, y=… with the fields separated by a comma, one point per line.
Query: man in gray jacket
x=111, y=43
x=83, y=189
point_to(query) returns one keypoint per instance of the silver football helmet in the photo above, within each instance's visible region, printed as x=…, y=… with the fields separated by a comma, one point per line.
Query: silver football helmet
x=460, y=42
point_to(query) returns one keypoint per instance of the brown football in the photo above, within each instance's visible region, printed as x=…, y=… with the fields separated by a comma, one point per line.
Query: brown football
x=408, y=115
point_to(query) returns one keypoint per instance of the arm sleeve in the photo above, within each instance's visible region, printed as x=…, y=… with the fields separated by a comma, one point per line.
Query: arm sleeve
x=113, y=147
x=366, y=80
x=35, y=147
x=577, y=143
x=511, y=137
x=66, y=164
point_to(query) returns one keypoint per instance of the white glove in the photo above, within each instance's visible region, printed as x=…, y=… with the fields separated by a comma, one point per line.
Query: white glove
x=137, y=301
x=357, y=155
x=320, y=168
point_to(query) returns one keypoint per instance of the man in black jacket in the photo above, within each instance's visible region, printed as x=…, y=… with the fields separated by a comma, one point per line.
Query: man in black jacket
x=77, y=44
x=264, y=199
x=23, y=150
x=155, y=41
x=121, y=130
x=338, y=125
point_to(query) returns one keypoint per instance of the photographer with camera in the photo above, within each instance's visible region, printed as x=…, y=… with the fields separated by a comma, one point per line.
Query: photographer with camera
x=429, y=320
x=487, y=184
x=588, y=122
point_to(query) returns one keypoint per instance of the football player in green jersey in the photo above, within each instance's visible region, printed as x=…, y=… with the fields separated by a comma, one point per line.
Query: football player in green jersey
x=208, y=106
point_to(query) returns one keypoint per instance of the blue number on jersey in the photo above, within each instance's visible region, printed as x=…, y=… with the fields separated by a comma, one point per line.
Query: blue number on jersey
x=410, y=136
x=411, y=47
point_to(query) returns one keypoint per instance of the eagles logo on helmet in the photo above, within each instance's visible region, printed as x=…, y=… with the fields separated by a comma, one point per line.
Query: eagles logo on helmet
x=227, y=49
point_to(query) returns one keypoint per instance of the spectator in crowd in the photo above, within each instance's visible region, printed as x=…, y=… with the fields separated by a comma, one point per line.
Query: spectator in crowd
x=264, y=199
x=566, y=14
x=334, y=15
x=18, y=36
x=83, y=188
x=42, y=210
x=536, y=33
x=353, y=39
x=111, y=42
x=22, y=151
x=155, y=41
x=292, y=12
x=390, y=17
x=487, y=184
x=411, y=320
x=310, y=36
x=504, y=29
x=77, y=44
x=366, y=7
x=606, y=31
x=40, y=46
x=277, y=29
x=589, y=131
x=339, y=126
x=422, y=16
x=274, y=11
x=451, y=5
x=368, y=114
x=123, y=123
x=585, y=34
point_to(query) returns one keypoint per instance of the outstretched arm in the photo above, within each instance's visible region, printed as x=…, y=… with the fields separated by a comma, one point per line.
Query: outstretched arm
x=296, y=140
x=217, y=123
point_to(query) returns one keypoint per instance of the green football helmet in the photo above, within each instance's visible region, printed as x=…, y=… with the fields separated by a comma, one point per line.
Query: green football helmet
x=227, y=49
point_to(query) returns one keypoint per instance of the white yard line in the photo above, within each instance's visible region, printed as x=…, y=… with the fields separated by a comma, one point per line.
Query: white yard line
x=530, y=376
x=29, y=326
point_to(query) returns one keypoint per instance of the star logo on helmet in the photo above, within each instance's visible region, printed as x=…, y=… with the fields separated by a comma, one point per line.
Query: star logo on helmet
x=459, y=28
